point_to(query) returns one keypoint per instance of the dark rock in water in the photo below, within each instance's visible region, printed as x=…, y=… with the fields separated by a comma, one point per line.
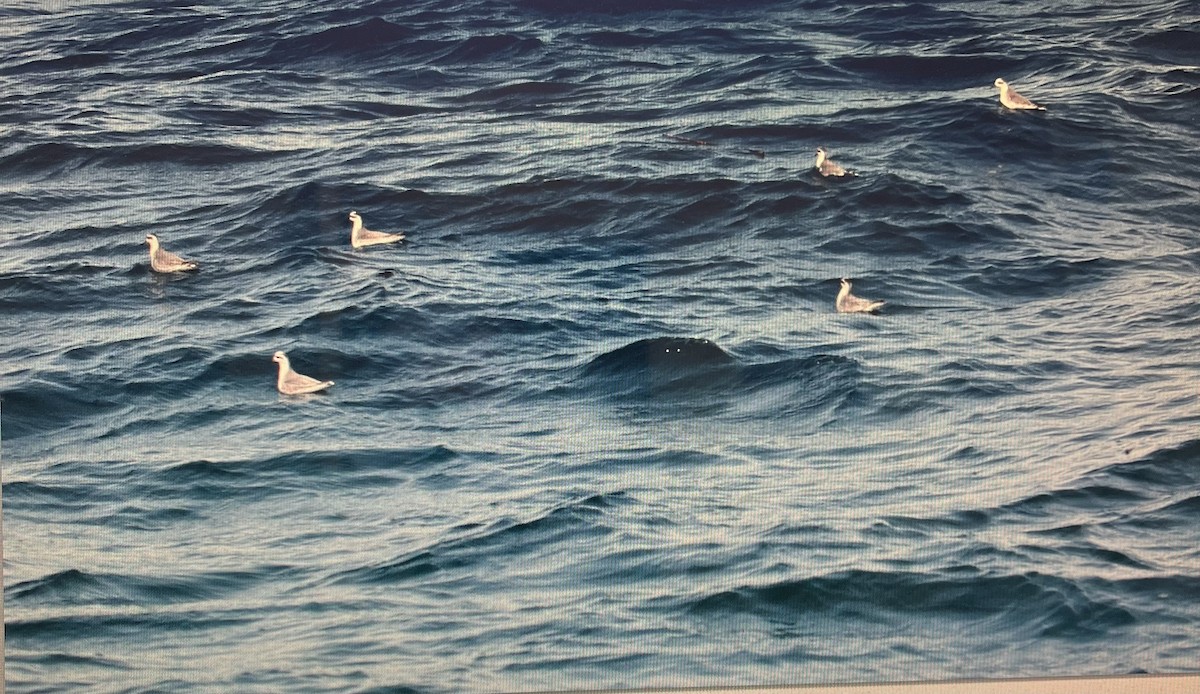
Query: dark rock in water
x=661, y=353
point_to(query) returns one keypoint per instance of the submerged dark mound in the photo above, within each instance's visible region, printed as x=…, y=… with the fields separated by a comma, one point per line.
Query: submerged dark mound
x=665, y=353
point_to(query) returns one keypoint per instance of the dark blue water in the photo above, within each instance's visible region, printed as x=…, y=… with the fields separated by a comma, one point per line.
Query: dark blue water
x=596, y=423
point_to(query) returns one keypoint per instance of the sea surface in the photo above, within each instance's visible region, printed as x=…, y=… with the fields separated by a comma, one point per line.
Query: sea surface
x=596, y=421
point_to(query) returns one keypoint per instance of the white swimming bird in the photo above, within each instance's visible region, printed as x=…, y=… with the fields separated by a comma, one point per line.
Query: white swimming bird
x=361, y=236
x=1011, y=99
x=848, y=303
x=162, y=260
x=292, y=383
x=827, y=167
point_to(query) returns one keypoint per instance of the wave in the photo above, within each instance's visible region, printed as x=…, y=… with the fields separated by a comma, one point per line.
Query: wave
x=376, y=38
x=240, y=117
x=327, y=200
x=72, y=283
x=59, y=661
x=1035, y=604
x=354, y=110
x=75, y=61
x=118, y=625
x=476, y=545
x=519, y=93
x=1176, y=45
x=77, y=587
x=479, y=50
x=359, y=321
x=1030, y=277
x=637, y=38
x=1123, y=485
x=371, y=35
x=60, y=158
x=643, y=7
x=41, y=408
x=944, y=72
x=155, y=497
x=1093, y=529
x=48, y=157
x=289, y=472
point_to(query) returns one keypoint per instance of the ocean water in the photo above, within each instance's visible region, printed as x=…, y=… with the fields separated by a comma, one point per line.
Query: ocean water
x=596, y=422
